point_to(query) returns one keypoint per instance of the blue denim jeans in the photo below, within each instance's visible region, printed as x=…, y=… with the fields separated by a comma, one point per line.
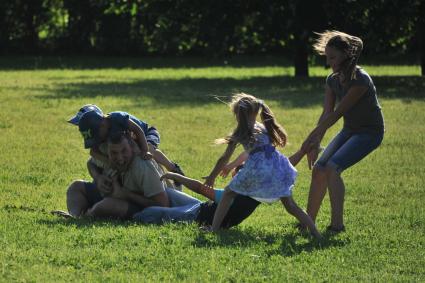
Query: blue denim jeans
x=348, y=148
x=184, y=208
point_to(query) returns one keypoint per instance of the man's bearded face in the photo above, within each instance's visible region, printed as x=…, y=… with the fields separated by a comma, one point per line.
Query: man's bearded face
x=120, y=155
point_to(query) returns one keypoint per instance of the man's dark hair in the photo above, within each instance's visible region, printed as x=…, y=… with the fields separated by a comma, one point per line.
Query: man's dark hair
x=117, y=137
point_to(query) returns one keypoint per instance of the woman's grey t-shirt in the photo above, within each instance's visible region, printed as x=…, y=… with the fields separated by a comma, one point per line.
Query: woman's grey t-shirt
x=366, y=114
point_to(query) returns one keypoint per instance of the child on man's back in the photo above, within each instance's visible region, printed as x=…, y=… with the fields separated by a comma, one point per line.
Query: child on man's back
x=95, y=127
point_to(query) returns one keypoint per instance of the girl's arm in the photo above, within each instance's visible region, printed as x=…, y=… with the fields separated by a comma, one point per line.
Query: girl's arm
x=235, y=163
x=347, y=102
x=328, y=107
x=140, y=139
x=312, y=147
x=97, y=154
x=328, y=104
x=296, y=157
x=222, y=209
x=220, y=164
x=191, y=184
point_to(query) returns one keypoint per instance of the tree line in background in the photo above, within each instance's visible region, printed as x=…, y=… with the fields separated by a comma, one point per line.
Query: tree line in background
x=208, y=28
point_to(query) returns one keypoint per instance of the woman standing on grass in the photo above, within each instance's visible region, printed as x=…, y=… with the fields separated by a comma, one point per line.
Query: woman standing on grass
x=363, y=128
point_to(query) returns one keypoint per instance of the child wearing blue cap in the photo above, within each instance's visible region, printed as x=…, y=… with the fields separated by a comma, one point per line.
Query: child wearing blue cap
x=95, y=128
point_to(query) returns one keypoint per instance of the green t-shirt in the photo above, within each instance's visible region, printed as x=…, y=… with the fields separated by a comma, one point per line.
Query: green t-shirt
x=366, y=114
x=143, y=176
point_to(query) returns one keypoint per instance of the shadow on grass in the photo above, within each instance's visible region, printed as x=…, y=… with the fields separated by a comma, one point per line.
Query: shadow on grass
x=86, y=222
x=81, y=62
x=110, y=62
x=83, y=222
x=288, y=91
x=290, y=244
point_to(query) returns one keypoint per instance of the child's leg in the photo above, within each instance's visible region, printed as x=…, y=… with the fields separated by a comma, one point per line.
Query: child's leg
x=191, y=184
x=161, y=158
x=297, y=212
x=222, y=209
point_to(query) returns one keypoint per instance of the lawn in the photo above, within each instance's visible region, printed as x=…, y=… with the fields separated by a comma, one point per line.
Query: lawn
x=42, y=154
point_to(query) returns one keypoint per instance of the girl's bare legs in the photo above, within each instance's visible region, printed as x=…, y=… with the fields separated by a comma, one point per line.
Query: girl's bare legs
x=319, y=183
x=191, y=184
x=297, y=212
x=336, y=195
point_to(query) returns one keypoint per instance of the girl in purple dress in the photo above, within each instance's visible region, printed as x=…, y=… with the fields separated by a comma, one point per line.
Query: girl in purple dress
x=267, y=175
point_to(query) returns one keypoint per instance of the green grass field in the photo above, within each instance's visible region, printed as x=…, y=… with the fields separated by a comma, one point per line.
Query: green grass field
x=42, y=154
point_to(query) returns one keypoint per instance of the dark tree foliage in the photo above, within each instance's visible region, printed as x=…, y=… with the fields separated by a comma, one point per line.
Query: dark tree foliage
x=217, y=28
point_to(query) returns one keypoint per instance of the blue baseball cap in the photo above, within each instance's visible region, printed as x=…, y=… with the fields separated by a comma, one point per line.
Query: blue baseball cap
x=86, y=108
x=89, y=127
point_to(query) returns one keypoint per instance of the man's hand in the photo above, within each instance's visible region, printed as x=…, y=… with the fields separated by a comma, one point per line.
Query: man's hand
x=117, y=190
x=104, y=184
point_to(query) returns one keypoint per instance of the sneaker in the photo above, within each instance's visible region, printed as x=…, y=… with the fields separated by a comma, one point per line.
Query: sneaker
x=61, y=213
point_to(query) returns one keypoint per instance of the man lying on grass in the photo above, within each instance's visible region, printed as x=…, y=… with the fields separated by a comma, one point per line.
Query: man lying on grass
x=185, y=208
x=125, y=186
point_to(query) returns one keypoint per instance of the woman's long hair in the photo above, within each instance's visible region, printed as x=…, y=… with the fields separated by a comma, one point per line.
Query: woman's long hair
x=349, y=44
x=244, y=106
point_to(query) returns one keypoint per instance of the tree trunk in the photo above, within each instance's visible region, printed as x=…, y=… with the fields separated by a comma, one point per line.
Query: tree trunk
x=301, y=55
x=32, y=10
x=309, y=16
x=421, y=36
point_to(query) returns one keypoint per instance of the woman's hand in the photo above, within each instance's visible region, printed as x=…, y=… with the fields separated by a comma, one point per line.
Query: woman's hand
x=312, y=156
x=226, y=170
x=313, y=139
